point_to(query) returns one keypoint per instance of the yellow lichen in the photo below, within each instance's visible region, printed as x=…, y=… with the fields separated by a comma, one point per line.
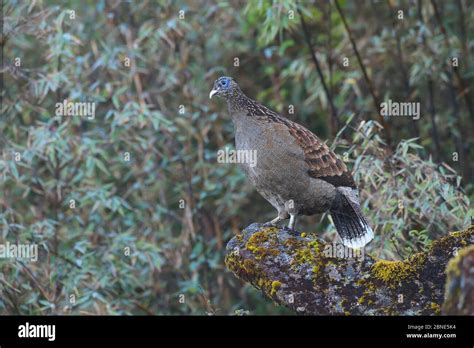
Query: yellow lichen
x=457, y=234
x=303, y=256
x=453, y=287
x=261, y=282
x=246, y=269
x=369, y=291
x=436, y=307
x=453, y=268
x=249, y=266
x=239, y=237
x=275, y=286
x=448, y=241
x=256, y=242
x=306, y=253
x=261, y=244
x=392, y=272
x=314, y=245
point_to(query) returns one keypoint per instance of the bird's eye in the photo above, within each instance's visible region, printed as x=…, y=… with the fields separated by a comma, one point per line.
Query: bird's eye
x=223, y=83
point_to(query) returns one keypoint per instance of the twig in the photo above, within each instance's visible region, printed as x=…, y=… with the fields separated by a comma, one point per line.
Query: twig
x=401, y=63
x=463, y=89
x=458, y=143
x=432, y=110
x=318, y=68
x=35, y=281
x=366, y=76
x=431, y=106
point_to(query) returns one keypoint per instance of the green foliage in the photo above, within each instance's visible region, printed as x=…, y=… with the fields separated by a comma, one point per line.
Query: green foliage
x=145, y=231
x=273, y=16
x=411, y=201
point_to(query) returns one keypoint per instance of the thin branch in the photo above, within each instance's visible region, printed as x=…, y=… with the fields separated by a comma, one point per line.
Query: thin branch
x=329, y=57
x=320, y=73
x=375, y=99
x=431, y=107
x=463, y=89
x=457, y=132
x=462, y=29
x=401, y=65
x=432, y=110
x=35, y=281
x=454, y=75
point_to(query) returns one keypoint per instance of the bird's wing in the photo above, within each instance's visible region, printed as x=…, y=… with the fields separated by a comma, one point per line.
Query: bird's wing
x=323, y=163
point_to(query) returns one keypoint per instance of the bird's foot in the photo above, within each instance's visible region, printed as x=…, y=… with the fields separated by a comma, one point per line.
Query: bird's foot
x=291, y=231
x=274, y=222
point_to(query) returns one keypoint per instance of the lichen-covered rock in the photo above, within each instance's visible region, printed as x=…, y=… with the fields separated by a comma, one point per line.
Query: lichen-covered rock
x=311, y=276
x=460, y=284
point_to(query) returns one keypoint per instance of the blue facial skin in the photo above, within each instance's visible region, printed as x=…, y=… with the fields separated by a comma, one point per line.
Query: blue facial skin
x=223, y=82
x=221, y=87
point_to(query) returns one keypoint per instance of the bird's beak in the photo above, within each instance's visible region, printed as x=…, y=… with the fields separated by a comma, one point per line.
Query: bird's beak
x=212, y=93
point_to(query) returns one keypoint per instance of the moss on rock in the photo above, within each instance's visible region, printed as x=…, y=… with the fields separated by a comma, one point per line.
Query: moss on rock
x=392, y=272
x=284, y=265
x=459, y=288
x=262, y=243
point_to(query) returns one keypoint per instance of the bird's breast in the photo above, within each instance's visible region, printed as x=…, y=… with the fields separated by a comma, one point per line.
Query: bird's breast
x=280, y=172
x=279, y=159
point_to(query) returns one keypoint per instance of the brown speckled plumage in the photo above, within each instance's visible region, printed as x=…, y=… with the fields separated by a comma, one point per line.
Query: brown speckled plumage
x=296, y=171
x=322, y=162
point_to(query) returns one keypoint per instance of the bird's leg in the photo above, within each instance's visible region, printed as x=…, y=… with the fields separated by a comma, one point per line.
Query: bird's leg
x=291, y=224
x=282, y=215
x=292, y=211
x=274, y=221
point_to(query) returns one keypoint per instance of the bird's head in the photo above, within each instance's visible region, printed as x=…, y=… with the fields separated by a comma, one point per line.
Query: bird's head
x=224, y=87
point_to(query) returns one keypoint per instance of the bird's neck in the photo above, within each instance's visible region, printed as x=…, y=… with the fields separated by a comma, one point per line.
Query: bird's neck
x=238, y=103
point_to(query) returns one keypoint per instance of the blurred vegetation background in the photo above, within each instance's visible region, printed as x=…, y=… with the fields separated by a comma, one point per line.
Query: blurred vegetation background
x=145, y=234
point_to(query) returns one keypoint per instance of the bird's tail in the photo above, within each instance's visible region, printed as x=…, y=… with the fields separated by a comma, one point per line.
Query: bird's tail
x=346, y=214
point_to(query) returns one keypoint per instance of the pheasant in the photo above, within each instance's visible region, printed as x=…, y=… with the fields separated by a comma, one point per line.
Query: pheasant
x=294, y=171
